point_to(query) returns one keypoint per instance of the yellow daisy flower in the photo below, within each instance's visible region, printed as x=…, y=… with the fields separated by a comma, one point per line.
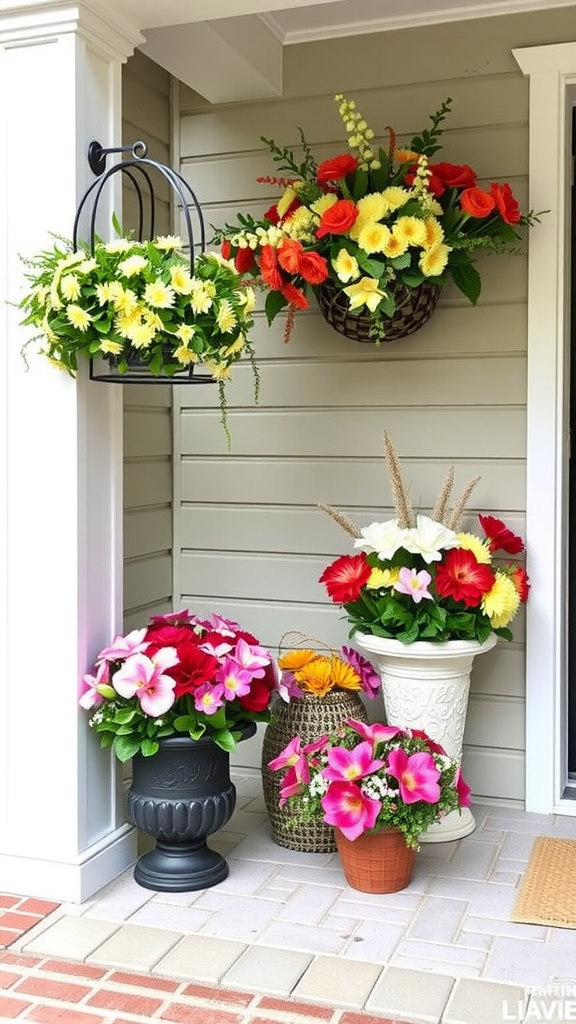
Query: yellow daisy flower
x=180, y=280
x=294, y=660
x=70, y=287
x=374, y=237
x=501, y=603
x=472, y=543
x=159, y=294
x=78, y=317
x=382, y=578
x=167, y=242
x=346, y=266
x=132, y=265
x=412, y=229
x=226, y=317
x=433, y=260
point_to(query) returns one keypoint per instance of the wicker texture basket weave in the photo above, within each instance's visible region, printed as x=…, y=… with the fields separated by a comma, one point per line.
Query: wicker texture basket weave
x=309, y=717
x=376, y=861
x=414, y=307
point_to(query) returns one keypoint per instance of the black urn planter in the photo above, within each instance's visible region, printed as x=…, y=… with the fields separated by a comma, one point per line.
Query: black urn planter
x=181, y=795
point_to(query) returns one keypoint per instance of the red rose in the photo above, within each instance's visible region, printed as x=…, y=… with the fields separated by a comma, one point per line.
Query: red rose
x=454, y=175
x=345, y=578
x=336, y=169
x=506, y=203
x=477, y=203
x=338, y=219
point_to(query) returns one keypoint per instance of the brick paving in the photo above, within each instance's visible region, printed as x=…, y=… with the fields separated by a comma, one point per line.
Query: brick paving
x=45, y=990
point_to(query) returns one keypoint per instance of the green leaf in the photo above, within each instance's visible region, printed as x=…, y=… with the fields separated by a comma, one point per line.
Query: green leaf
x=125, y=747
x=275, y=301
x=149, y=747
x=467, y=279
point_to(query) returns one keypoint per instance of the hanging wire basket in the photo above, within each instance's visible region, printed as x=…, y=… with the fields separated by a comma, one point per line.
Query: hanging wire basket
x=140, y=170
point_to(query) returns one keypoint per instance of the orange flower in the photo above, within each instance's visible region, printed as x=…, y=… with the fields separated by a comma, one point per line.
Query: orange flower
x=477, y=203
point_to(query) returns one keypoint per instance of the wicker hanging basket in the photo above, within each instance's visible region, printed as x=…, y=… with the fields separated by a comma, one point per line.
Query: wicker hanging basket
x=414, y=307
x=309, y=717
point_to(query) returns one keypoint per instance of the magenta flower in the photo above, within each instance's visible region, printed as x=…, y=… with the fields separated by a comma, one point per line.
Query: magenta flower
x=417, y=776
x=90, y=696
x=251, y=657
x=293, y=784
x=413, y=583
x=288, y=757
x=124, y=646
x=375, y=733
x=368, y=674
x=235, y=680
x=351, y=764
x=463, y=789
x=144, y=678
x=209, y=697
x=346, y=807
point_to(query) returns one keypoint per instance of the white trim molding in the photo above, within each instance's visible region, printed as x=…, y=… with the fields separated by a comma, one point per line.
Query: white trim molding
x=552, y=74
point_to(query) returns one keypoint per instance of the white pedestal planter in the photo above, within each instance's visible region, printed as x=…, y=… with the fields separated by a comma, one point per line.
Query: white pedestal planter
x=426, y=686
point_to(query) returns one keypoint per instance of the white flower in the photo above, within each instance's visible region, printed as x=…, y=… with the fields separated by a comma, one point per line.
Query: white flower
x=383, y=538
x=429, y=539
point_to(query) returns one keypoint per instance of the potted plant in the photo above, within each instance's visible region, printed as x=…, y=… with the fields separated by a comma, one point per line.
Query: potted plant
x=424, y=599
x=380, y=787
x=321, y=687
x=375, y=232
x=139, y=302
x=176, y=696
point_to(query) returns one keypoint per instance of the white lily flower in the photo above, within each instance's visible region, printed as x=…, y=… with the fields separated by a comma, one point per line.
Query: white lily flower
x=429, y=539
x=383, y=538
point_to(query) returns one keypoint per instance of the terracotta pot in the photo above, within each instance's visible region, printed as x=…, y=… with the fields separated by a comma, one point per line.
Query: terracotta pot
x=376, y=861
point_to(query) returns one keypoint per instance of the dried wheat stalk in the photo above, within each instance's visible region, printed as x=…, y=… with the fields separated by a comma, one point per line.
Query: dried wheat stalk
x=341, y=519
x=402, y=503
x=441, y=507
x=456, y=515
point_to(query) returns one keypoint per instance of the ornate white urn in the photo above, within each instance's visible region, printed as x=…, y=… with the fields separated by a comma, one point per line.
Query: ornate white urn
x=426, y=686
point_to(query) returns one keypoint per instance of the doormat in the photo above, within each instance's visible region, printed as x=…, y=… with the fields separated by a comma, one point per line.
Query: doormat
x=547, y=893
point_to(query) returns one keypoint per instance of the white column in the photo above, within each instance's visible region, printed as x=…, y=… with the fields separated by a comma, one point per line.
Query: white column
x=551, y=70
x=62, y=834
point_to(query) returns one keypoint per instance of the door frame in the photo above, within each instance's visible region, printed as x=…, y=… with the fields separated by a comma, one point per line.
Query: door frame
x=551, y=71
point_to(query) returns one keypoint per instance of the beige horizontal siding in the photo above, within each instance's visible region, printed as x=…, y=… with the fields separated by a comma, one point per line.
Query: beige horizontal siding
x=253, y=542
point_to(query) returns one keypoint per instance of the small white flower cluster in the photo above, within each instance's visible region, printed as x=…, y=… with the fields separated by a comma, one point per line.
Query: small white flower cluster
x=378, y=788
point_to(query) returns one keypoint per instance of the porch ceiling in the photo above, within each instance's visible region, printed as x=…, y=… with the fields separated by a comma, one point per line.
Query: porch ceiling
x=236, y=53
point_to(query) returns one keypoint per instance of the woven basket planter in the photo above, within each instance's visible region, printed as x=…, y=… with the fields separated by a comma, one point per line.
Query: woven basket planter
x=308, y=717
x=376, y=861
x=414, y=307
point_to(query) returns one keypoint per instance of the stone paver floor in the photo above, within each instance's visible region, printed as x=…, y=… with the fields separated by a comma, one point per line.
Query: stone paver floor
x=283, y=939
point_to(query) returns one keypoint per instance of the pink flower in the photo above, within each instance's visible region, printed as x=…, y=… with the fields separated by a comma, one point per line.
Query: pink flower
x=413, y=583
x=124, y=646
x=235, y=680
x=209, y=697
x=368, y=675
x=251, y=657
x=375, y=733
x=293, y=784
x=417, y=776
x=347, y=765
x=288, y=757
x=145, y=678
x=463, y=789
x=346, y=807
